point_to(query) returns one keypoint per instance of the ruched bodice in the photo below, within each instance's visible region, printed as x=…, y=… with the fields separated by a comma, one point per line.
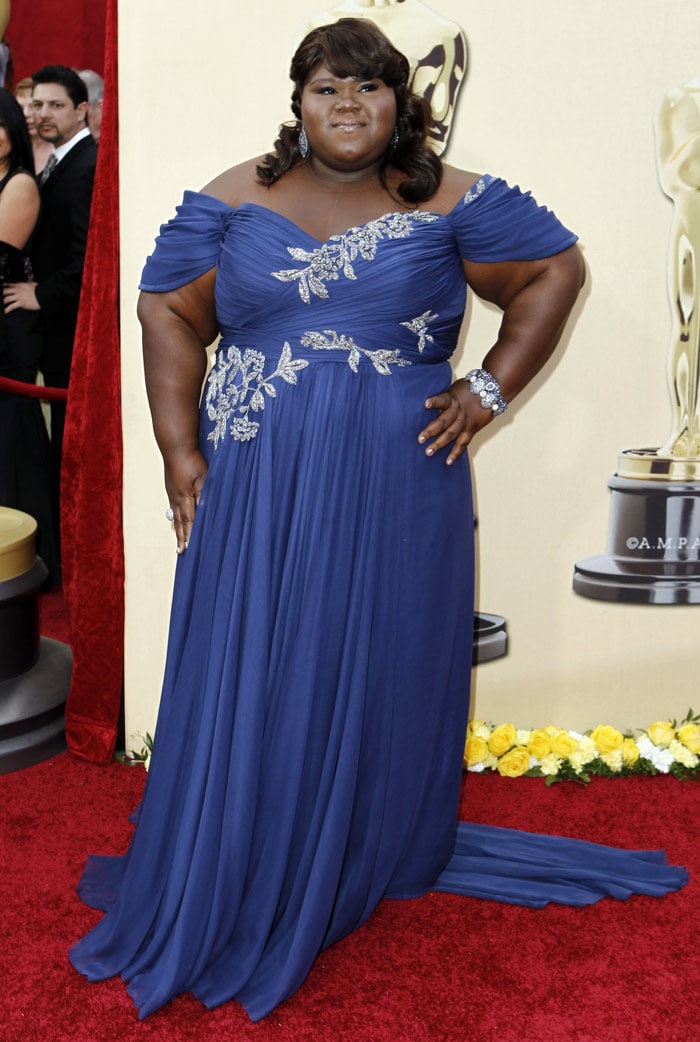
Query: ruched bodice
x=389, y=293
x=312, y=286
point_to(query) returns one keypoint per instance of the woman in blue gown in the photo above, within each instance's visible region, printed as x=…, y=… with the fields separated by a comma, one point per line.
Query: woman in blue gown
x=309, y=743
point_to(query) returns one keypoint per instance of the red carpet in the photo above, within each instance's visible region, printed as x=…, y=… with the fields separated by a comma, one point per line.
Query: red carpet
x=438, y=969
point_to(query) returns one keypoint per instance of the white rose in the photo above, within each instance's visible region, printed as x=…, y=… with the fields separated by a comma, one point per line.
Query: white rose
x=661, y=759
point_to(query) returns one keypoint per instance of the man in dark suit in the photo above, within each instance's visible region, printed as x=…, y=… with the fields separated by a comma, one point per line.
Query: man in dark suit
x=60, y=105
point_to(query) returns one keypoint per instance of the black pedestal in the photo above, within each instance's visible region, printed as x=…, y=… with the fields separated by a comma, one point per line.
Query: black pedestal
x=653, y=545
x=490, y=637
x=35, y=675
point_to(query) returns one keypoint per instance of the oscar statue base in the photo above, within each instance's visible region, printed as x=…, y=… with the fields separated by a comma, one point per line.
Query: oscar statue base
x=653, y=554
x=35, y=671
x=490, y=637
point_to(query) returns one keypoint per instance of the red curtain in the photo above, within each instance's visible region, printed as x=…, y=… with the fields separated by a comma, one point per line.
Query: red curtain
x=91, y=480
x=56, y=32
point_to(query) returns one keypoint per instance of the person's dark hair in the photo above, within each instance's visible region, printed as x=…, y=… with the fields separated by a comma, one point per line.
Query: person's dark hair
x=68, y=78
x=12, y=119
x=356, y=47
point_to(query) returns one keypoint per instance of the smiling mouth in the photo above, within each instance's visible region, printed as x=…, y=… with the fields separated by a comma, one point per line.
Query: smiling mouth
x=350, y=125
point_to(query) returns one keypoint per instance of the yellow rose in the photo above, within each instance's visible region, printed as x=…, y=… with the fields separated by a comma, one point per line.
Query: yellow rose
x=502, y=739
x=539, y=744
x=607, y=738
x=478, y=727
x=563, y=744
x=630, y=752
x=475, y=751
x=514, y=763
x=689, y=736
x=662, y=733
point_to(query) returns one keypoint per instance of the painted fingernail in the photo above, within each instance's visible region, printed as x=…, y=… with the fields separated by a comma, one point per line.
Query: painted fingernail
x=428, y=452
x=421, y=439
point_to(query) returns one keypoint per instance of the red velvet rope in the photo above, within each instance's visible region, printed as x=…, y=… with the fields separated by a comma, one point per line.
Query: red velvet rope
x=49, y=394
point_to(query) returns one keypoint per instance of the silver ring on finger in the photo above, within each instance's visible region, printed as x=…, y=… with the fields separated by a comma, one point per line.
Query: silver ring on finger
x=169, y=516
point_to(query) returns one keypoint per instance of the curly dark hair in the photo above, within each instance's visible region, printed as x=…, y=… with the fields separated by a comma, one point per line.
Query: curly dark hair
x=356, y=47
x=12, y=119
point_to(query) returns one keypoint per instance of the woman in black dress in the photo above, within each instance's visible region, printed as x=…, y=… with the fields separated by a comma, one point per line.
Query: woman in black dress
x=24, y=447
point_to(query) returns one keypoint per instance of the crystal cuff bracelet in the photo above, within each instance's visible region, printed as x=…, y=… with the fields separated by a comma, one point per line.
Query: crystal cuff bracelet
x=481, y=382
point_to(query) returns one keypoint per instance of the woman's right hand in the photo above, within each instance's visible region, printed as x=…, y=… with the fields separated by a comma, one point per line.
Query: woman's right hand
x=184, y=479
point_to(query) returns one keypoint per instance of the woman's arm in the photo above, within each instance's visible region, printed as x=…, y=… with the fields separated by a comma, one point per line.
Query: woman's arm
x=19, y=210
x=177, y=328
x=536, y=298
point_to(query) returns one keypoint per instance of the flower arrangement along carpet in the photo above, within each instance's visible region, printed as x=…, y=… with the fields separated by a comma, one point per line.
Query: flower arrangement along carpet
x=665, y=747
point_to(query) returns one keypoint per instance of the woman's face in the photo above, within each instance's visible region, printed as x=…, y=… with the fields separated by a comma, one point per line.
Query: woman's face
x=349, y=122
x=5, y=145
x=24, y=97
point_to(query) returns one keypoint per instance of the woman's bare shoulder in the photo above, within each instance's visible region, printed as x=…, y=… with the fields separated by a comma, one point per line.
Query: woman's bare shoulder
x=238, y=184
x=454, y=185
x=19, y=203
x=21, y=186
x=19, y=209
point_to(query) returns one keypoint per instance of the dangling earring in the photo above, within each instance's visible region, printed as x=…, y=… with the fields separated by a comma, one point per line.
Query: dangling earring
x=395, y=138
x=303, y=143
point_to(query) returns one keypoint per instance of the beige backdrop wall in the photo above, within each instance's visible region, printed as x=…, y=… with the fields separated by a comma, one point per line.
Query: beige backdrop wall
x=559, y=98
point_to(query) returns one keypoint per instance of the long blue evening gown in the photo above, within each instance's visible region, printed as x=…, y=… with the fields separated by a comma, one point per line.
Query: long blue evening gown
x=310, y=738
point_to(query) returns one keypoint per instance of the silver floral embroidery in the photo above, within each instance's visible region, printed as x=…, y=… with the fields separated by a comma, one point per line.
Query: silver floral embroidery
x=419, y=326
x=336, y=257
x=476, y=189
x=225, y=399
x=329, y=340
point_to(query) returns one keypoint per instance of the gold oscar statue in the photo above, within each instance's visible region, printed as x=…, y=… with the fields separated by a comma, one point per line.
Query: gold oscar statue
x=654, y=537
x=436, y=49
x=678, y=146
x=677, y=126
